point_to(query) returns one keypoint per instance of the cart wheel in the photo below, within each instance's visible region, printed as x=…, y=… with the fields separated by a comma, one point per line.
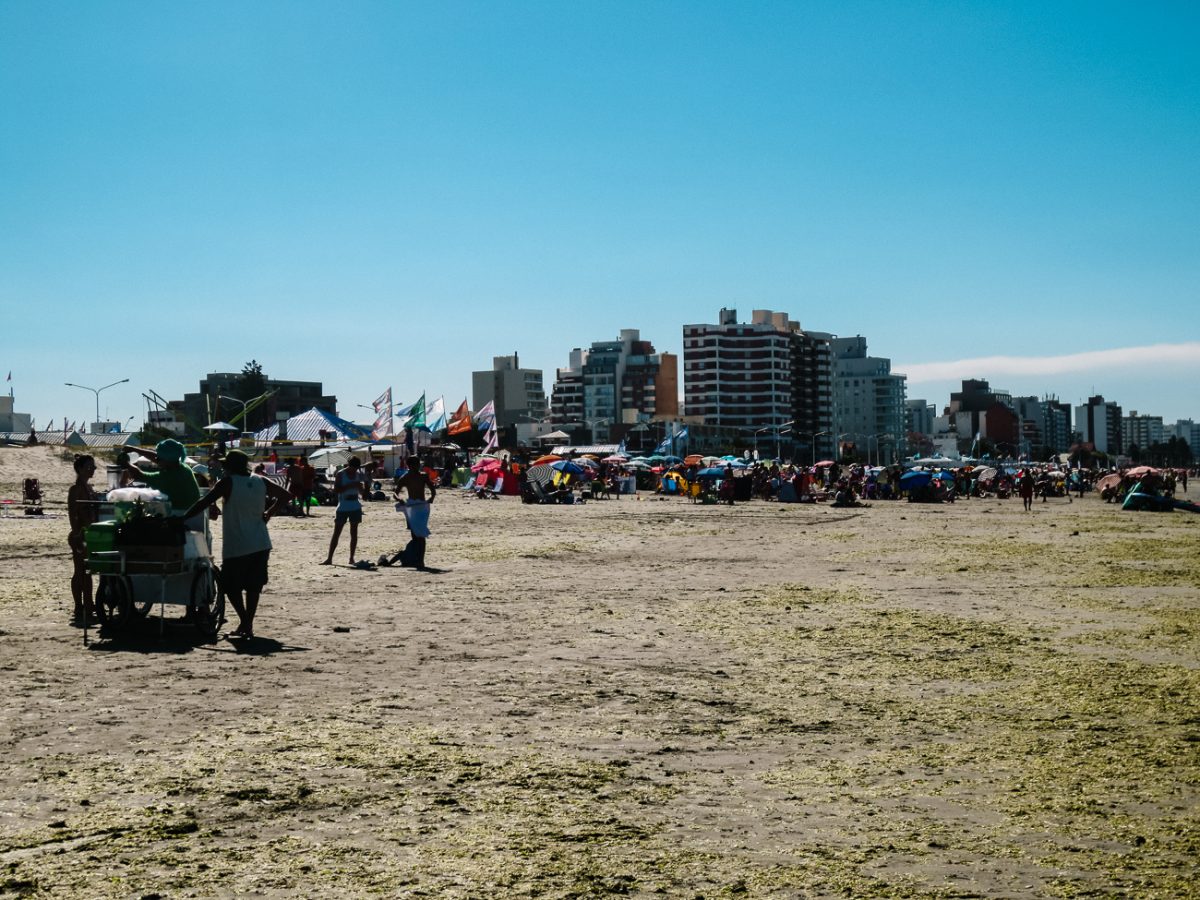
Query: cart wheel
x=207, y=602
x=114, y=598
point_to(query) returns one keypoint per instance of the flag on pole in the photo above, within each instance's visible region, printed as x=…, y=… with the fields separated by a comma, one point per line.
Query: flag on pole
x=493, y=440
x=413, y=415
x=435, y=418
x=664, y=446
x=9, y=378
x=384, y=399
x=681, y=435
x=621, y=447
x=462, y=419
x=486, y=415
x=383, y=425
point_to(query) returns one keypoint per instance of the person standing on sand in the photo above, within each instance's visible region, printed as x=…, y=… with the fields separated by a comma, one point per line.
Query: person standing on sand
x=348, y=484
x=82, y=512
x=1026, y=489
x=245, y=542
x=416, y=510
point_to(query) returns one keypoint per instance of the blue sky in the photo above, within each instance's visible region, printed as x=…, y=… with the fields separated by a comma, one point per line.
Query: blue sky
x=392, y=194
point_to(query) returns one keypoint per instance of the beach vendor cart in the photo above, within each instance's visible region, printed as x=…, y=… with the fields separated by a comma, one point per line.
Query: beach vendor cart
x=145, y=556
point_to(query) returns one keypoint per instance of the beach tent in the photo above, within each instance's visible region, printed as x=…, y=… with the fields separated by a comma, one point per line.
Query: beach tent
x=307, y=426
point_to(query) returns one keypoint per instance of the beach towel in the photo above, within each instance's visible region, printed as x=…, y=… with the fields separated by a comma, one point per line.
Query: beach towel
x=417, y=513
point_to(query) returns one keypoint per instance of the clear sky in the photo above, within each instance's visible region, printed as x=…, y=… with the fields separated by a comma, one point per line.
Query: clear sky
x=375, y=194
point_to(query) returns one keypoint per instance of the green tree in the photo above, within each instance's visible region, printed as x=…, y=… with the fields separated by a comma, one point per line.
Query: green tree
x=249, y=384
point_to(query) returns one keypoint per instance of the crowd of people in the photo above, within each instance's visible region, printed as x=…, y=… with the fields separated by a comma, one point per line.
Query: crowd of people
x=249, y=498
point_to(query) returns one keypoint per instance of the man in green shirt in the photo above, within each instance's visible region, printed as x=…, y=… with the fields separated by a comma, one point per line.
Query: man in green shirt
x=173, y=478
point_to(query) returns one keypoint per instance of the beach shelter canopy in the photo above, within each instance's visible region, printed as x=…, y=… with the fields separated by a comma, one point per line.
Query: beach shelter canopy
x=307, y=426
x=221, y=426
x=555, y=436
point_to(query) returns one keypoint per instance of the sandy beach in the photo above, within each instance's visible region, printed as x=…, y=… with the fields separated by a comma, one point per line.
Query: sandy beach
x=624, y=697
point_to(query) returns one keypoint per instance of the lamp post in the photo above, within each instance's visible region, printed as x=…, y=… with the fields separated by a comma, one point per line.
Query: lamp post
x=779, y=430
x=236, y=400
x=757, y=432
x=816, y=435
x=593, y=424
x=96, y=391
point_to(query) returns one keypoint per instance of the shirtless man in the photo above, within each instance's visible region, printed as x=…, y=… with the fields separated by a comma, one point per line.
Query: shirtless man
x=416, y=511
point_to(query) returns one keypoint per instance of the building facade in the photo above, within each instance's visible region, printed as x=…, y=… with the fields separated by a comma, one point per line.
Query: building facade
x=1099, y=423
x=212, y=402
x=1142, y=431
x=868, y=400
x=613, y=384
x=518, y=395
x=765, y=375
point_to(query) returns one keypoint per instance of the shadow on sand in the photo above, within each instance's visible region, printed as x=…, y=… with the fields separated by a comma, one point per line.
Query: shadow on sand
x=143, y=636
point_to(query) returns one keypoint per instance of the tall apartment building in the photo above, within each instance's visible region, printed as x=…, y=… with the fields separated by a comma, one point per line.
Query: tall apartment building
x=919, y=416
x=868, y=400
x=1144, y=431
x=1099, y=424
x=761, y=374
x=518, y=394
x=613, y=383
x=1188, y=431
x=1058, y=436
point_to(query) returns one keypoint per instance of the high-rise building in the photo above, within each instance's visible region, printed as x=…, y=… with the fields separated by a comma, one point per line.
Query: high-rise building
x=763, y=375
x=1099, y=424
x=1144, y=431
x=518, y=394
x=1188, y=431
x=614, y=383
x=868, y=400
x=919, y=416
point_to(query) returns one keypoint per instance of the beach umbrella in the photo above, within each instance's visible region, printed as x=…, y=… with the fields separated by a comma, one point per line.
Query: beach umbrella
x=567, y=467
x=545, y=460
x=486, y=464
x=710, y=460
x=542, y=474
x=1108, y=481
x=221, y=426
x=330, y=456
x=985, y=474
x=693, y=459
x=637, y=464
x=672, y=459
x=914, y=479
x=712, y=472
x=616, y=458
x=1142, y=472
x=823, y=464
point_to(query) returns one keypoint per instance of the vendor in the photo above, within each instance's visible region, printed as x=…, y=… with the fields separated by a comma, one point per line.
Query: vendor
x=173, y=478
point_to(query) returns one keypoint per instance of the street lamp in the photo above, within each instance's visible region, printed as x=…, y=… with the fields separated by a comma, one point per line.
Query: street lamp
x=594, y=423
x=756, y=434
x=816, y=435
x=96, y=391
x=236, y=400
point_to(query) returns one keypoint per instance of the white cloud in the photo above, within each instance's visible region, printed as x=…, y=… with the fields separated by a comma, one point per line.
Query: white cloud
x=1185, y=355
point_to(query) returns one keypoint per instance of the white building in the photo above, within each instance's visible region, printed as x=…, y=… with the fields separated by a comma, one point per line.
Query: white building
x=868, y=399
x=518, y=394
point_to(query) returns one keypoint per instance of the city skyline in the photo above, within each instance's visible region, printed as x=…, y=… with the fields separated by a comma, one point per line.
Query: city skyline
x=386, y=195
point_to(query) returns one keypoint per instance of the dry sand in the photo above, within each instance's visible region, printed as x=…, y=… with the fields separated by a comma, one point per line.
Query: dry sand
x=625, y=697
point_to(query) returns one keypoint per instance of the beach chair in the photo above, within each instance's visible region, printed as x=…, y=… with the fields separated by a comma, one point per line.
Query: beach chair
x=31, y=497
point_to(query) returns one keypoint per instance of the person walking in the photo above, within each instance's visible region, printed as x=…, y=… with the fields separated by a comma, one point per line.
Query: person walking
x=245, y=541
x=348, y=484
